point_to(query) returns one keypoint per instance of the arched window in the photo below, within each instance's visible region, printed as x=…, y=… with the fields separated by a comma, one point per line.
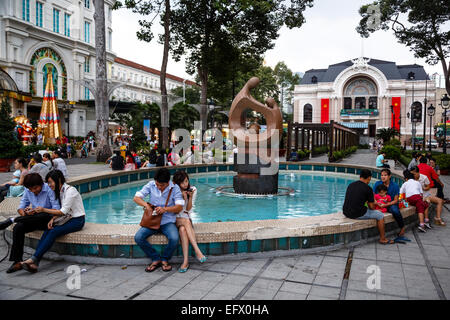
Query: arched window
x=360, y=93
x=307, y=113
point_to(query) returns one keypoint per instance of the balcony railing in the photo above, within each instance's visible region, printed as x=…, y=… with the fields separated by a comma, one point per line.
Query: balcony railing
x=359, y=112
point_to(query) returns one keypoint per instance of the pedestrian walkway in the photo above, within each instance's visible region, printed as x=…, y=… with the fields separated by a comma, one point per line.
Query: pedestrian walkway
x=416, y=270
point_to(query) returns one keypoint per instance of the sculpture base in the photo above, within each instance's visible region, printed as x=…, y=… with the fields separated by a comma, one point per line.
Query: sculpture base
x=255, y=184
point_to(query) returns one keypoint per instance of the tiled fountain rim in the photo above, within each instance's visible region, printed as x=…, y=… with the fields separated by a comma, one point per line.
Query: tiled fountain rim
x=216, y=232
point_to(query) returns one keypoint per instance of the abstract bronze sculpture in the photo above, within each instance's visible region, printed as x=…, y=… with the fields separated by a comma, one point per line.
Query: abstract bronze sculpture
x=257, y=151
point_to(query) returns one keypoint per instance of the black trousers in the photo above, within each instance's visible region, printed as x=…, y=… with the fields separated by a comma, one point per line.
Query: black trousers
x=25, y=224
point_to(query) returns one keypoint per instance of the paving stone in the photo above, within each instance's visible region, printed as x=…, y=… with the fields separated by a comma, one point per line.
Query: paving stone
x=360, y=295
x=223, y=266
x=333, y=281
x=338, y=253
x=293, y=287
x=159, y=290
x=332, y=293
x=256, y=293
x=390, y=297
x=306, y=275
x=189, y=294
x=359, y=286
x=250, y=267
x=15, y=293
x=283, y=295
x=49, y=296
x=217, y=296
x=228, y=289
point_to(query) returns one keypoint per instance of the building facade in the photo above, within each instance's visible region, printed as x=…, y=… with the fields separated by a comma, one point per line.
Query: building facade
x=365, y=93
x=58, y=36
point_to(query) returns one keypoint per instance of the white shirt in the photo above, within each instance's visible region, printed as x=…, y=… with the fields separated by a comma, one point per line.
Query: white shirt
x=411, y=187
x=60, y=165
x=71, y=201
x=185, y=213
x=424, y=181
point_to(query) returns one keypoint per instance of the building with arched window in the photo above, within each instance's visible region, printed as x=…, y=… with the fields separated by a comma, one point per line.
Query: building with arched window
x=365, y=94
x=58, y=36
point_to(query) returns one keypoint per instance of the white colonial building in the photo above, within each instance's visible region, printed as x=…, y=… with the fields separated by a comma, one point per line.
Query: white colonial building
x=36, y=34
x=366, y=94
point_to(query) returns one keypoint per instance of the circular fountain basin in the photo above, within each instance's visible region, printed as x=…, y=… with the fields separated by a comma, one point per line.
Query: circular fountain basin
x=290, y=229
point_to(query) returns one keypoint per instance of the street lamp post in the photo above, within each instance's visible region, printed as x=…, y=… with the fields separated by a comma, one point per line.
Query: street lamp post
x=424, y=116
x=68, y=108
x=430, y=111
x=393, y=117
x=444, y=103
x=411, y=76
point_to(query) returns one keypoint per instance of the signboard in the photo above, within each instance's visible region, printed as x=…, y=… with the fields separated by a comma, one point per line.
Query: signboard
x=147, y=129
x=359, y=112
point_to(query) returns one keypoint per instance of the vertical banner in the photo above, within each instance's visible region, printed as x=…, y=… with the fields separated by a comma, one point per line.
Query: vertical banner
x=396, y=102
x=147, y=129
x=325, y=111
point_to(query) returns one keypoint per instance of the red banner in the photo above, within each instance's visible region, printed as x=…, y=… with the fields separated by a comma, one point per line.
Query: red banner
x=396, y=103
x=325, y=111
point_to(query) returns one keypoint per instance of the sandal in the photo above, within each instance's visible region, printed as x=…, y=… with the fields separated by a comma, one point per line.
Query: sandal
x=439, y=222
x=30, y=267
x=152, y=267
x=388, y=241
x=166, y=267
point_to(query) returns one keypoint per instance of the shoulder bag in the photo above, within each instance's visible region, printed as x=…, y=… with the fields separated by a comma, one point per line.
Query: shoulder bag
x=152, y=220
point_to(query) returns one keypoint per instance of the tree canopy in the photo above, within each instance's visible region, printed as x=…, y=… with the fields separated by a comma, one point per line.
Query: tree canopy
x=422, y=25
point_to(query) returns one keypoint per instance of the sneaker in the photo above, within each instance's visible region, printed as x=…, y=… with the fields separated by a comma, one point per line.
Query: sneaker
x=5, y=224
x=428, y=225
x=421, y=228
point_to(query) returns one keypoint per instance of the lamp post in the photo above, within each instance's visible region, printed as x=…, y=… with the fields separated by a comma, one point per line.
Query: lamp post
x=430, y=111
x=68, y=108
x=393, y=117
x=424, y=116
x=411, y=76
x=444, y=103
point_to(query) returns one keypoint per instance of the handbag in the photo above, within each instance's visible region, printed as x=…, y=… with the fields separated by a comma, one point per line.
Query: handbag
x=150, y=220
x=59, y=221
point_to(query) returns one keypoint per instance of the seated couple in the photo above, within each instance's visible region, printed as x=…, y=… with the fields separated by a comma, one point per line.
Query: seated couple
x=54, y=207
x=175, y=215
x=360, y=203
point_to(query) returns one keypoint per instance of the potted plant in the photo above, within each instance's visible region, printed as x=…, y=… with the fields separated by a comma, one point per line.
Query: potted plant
x=10, y=146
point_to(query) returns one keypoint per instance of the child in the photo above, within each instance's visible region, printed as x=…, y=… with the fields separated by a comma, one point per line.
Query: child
x=412, y=191
x=382, y=198
x=184, y=222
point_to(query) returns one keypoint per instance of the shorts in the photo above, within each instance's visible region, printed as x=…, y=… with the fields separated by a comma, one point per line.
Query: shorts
x=417, y=201
x=372, y=214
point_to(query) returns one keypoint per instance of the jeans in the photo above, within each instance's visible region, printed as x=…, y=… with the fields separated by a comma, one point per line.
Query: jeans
x=25, y=224
x=397, y=215
x=372, y=214
x=169, y=230
x=50, y=235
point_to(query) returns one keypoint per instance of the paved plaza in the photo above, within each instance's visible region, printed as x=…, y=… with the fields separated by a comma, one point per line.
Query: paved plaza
x=416, y=270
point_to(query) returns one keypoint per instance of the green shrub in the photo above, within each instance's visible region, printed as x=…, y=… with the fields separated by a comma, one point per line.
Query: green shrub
x=320, y=150
x=405, y=160
x=443, y=161
x=394, y=142
x=392, y=152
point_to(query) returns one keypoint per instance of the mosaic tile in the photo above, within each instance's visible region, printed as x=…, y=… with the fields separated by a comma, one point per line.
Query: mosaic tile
x=282, y=244
x=114, y=181
x=294, y=243
x=133, y=177
x=306, y=167
x=143, y=175
x=105, y=183
x=330, y=169
x=95, y=185
x=318, y=168
x=84, y=187
x=124, y=179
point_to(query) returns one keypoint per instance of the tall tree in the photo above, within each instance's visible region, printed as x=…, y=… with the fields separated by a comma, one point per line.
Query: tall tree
x=152, y=9
x=101, y=92
x=286, y=80
x=200, y=28
x=422, y=25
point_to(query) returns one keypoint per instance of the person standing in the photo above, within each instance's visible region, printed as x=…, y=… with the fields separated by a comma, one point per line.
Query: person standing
x=37, y=194
x=59, y=164
x=357, y=196
x=160, y=192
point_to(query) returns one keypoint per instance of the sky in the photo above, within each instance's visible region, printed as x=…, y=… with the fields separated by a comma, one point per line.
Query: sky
x=329, y=36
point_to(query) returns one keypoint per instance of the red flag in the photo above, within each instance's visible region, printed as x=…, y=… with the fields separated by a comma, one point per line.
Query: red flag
x=325, y=111
x=396, y=102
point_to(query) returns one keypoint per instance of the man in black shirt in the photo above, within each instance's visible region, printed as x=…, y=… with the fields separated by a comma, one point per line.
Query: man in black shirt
x=357, y=195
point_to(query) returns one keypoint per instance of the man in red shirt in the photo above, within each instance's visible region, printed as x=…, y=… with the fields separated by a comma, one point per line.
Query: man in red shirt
x=427, y=170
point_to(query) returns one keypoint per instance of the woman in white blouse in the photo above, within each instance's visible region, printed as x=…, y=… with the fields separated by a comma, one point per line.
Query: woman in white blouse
x=184, y=222
x=70, y=218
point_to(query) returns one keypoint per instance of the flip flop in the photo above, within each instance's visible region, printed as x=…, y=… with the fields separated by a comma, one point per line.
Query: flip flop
x=398, y=240
x=166, y=267
x=389, y=241
x=183, y=270
x=152, y=267
x=402, y=238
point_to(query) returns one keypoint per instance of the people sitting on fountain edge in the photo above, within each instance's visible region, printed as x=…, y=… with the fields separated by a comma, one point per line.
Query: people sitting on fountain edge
x=37, y=194
x=158, y=191
x=380, y=162
x=360, y=204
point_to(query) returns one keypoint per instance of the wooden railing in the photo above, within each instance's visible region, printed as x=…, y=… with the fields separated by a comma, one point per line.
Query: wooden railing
x=302, y=136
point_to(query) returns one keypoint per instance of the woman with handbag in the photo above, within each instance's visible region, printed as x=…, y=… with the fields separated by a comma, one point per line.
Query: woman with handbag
x=70, y=218
x=165, y=202
x=184, y=222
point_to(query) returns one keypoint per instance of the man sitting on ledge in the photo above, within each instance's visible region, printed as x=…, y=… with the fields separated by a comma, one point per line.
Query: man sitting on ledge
x=357, y=195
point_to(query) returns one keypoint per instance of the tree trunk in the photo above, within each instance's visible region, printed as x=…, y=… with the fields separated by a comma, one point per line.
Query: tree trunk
x=101, y=96
x=164, y=100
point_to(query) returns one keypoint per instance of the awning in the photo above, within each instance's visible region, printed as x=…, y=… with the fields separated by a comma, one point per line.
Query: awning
x=355, y=125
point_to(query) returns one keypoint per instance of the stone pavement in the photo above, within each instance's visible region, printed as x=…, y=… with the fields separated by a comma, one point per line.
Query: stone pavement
x=417, y=270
